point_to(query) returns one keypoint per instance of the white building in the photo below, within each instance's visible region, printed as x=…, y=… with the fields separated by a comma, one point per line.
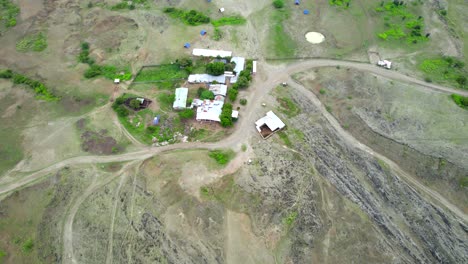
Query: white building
x=206, y=78
x=254, y=67
x=211, y=53
x=240, y=65
x=180, y=101
x=269, y=124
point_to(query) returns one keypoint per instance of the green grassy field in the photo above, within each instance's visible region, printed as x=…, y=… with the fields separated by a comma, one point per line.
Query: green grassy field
x=35, y=42
x=445, y=70
x=280, y=44
x=161, y=73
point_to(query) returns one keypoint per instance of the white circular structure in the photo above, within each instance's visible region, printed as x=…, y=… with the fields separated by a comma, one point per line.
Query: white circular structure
x=315, y=37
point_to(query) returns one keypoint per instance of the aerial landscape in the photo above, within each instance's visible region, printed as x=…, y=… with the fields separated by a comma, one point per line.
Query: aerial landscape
x=221, y=131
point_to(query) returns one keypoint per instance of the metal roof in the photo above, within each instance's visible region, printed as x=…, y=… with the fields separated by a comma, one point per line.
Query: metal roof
x=219, y=89
x=180, y=101
x=206, y=78
x=211, y=53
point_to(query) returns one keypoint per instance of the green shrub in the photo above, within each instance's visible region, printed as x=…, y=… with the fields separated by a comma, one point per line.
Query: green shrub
x=8, y=13
x=343, y=3
x=207, y=95
x=191, y=17
x=217, y=34
x=186, y=114
x=222, y=157
x=278, y=3
x=42, y=92
x=461, y=101
x=35, y=42
x=215, y=68
x=27, y=246
x=232, y=94
x=243, y=101
x=226, y=115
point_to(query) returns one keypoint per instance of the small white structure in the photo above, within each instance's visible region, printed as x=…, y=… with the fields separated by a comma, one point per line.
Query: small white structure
x=385, y=63
x=269, y=124
x=208, y=110
x=116, y=81
x=206, y=78
x=221, y=9
x=235, y=114
x=219, y=89
x=254, y=67
x=141, y=100
x=180, y=101
x=211, y=53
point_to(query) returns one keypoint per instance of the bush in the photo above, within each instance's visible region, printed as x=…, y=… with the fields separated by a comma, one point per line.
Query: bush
x=232, y=94
x=27, y=246
x=206, y=94
x=461, y=101
x=243, y=101
x=226, y=115
x=278, y=3
x=191, y=17
x=6, y=74
x=135, y=104
x=187, y=114
x=221, y=157
x=215, y=68
x=93, y=71
x=39, y=88
x=36, y=42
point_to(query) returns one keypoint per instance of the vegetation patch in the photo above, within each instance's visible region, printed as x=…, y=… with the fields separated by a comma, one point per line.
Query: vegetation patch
x=229, y=21
x=108, y=71
x=217, y=34
x=288, y=107
x=290, y=218
x=342, y=3
x=280, y=43
x=461, y=101
x=8, y=13
x=42, y=92
x=226, y=115
x=464, y=182
x=130, y=5
x=192, y=17
x=35, y=42
x=445, y=70
x=167, y=72
x=285, y=138
x=222, y=157
x=400, y=23
x=139, y=123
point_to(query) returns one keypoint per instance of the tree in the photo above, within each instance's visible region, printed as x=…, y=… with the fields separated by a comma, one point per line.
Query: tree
x=185, y=62
x=226, y=115
x=243, y=101
x=135, y=104
x=278, y=3
x=206, y=94
x=215, y=68
x=186, y=114
x=232, y=94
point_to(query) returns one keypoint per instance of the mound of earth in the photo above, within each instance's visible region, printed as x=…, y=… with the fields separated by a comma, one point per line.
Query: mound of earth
x=98, y=143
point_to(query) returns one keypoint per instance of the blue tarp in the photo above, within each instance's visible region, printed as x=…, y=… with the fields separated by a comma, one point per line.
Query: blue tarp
x=306, y=12
x=296, y=2
x=187, y=45
x=203, y=32
x=156, y=120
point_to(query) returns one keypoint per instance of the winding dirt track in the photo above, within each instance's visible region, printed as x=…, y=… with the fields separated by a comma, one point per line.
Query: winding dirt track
x=260, y=88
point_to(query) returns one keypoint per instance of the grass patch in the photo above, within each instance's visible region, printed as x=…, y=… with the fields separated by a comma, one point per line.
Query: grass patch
x=42, y=92
x=130, y=5
x=8, y=14
x=288, y=107
x=229, y=21
x=290, y=218
x=461, y=101
x=217, y=34
x=400, y=23
x=205, y=135
x=280, y=43
x=222, y=157
x=192, y=17
x=298, y=133
x=35, y=42
x=445, y=70
x=161, y=73
x=464, y=182
x=27, y=246
x=285, y=138
x=244, y=147
x=340, y=3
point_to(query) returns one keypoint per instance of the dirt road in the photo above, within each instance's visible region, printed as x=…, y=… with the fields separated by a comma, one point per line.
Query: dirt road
x=261, y=87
